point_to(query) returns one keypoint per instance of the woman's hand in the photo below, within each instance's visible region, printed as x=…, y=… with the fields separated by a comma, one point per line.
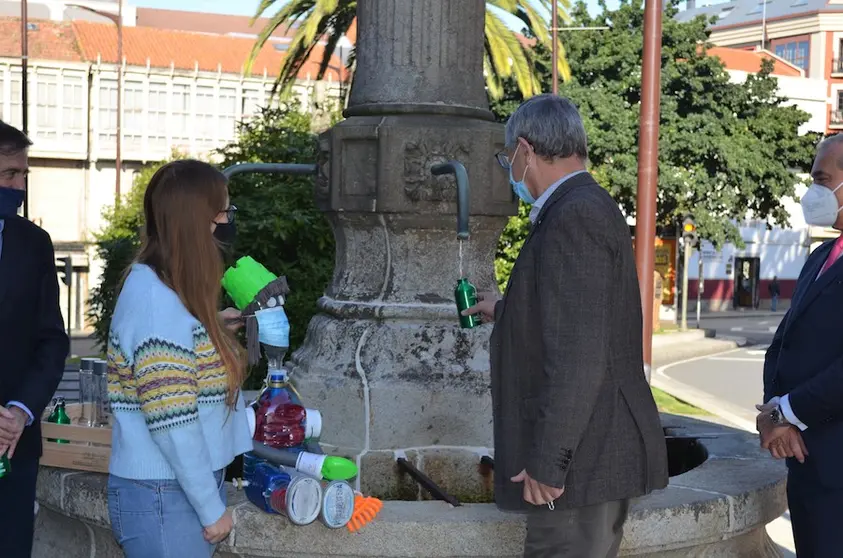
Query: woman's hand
x=232, y=318
x=220, y=530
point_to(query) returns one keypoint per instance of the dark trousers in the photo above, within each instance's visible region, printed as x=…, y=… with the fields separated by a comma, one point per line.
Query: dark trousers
x=17, y=509
x=588, y=532
x=816, y=515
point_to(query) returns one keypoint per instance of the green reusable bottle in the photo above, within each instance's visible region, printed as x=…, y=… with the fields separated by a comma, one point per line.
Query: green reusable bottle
x=466, y=297
x=5, y=465
x=59, y=416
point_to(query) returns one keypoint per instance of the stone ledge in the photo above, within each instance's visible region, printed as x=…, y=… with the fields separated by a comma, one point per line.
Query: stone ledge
x=713, y=510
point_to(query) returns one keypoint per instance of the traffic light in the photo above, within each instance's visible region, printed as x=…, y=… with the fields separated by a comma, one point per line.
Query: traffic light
x=64, y=268
x=689, y=229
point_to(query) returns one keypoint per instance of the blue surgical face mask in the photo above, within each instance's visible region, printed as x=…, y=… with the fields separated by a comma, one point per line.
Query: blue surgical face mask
x=10, y=201
x=273, y=327
x=518, y=186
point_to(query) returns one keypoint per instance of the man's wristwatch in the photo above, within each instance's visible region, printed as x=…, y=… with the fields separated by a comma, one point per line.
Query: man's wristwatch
x=777, y=416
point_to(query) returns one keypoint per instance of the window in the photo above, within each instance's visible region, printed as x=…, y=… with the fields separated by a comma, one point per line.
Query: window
x=251, y=103
x=181, y=121
x=227, y=113
x=133, y=110
x=73, y=108
x=107, y=124
x=46, y=106
x=205, y=113
x=16, y=114
x=795, y=52
x=157, y=117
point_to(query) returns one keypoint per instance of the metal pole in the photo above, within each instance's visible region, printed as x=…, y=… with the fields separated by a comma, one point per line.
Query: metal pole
x=554, y=28
x=24, y=65
x=118, y=159
x=648, y=160
x=687, y=263
x=700, y=285
x=764, y=25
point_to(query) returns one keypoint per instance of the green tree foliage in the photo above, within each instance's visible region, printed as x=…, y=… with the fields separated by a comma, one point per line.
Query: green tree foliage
x=727, y=151
x=277, y=221
x=506, y=55
x=117, y=245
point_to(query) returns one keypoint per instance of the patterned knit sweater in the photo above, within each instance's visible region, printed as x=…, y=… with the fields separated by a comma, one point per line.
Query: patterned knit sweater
x=167, y=388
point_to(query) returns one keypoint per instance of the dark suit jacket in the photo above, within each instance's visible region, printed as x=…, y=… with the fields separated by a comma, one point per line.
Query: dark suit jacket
x=805, y=360
x=570, y=400
x=33, y=343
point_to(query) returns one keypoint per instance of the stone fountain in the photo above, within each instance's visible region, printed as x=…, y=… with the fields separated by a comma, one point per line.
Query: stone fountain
x=385, y=360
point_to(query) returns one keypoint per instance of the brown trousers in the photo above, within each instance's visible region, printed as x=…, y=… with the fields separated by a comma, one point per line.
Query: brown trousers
x=588, y=532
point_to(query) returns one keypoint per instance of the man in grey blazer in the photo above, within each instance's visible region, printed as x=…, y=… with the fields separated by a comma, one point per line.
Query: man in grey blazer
x=577, y=433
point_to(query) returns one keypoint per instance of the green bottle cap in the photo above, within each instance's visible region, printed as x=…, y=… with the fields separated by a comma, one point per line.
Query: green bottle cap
x=338, y=468
x=245, y=280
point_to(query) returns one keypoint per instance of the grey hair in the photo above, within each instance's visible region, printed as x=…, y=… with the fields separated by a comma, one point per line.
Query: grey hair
x=830, y=141
x=552, y=125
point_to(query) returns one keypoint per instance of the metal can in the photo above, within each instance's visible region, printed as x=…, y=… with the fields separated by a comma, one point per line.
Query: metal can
x=299, y=497
x=466, y=297
x=337, y=504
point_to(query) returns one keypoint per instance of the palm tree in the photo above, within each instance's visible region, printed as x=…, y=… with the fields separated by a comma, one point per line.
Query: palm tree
x=507, y=55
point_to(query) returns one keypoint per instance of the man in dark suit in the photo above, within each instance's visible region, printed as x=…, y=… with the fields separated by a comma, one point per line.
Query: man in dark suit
x=33, y=345
x=802, y=418
x=577, y=433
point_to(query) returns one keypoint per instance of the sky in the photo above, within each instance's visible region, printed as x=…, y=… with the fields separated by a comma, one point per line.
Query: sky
x=245, y=7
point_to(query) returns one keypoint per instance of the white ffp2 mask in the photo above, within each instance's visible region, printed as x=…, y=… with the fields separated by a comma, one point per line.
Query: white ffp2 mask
x=819, y=205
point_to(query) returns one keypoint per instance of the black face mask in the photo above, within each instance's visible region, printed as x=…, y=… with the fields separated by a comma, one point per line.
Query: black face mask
x=225, y=233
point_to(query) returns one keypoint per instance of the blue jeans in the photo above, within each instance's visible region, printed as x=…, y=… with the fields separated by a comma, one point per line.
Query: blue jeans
x=154, y=519
x=774, y=303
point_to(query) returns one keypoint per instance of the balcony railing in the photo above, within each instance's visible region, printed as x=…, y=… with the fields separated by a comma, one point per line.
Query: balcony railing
x=837, y=118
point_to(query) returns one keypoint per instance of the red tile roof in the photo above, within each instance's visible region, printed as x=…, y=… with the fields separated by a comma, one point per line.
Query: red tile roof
x=48, y=40
x=218, y=24
x=750, y=61
x=161, y=48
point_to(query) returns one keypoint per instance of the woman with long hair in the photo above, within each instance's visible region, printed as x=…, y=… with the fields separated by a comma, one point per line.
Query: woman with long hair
x=174, y=374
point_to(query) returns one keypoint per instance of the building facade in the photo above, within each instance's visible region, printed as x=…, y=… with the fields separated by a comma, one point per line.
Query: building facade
x=183, y=91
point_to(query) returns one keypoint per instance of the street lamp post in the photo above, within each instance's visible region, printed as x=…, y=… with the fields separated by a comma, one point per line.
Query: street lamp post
x=648, y=171
x=24, y=91
x=118, y=20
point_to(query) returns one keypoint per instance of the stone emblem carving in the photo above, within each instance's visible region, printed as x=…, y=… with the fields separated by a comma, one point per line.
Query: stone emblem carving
x=419, y=183
x=323, y=162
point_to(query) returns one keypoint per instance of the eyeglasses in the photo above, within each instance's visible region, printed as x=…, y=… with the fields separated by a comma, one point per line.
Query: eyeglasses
x=503, y=160
x=230, y=213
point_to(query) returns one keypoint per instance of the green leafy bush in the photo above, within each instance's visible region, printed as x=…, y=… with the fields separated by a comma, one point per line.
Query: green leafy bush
x=277, y=220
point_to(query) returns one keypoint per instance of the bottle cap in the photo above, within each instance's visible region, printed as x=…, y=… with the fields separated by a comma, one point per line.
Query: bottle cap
x=312, y=424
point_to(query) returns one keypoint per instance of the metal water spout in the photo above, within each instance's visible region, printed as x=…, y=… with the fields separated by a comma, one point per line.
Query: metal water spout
x=458, y=170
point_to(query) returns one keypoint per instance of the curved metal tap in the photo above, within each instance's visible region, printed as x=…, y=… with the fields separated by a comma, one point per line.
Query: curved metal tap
x=458, y=170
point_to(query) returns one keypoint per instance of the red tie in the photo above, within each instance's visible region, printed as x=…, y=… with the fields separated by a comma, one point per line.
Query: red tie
x=835, y=253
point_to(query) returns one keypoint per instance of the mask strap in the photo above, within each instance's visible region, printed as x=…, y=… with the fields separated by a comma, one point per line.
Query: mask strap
x=837, y=188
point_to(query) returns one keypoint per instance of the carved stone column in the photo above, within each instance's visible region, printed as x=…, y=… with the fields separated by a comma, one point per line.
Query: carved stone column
x=386, y=361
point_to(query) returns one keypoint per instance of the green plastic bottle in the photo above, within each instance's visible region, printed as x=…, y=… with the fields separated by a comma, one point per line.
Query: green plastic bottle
x=5, y=465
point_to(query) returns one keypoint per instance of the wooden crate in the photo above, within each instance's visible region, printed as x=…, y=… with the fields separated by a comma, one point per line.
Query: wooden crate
x=88, y=449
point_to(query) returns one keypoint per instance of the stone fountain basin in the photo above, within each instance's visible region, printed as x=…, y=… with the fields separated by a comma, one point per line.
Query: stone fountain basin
x=718, y=509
